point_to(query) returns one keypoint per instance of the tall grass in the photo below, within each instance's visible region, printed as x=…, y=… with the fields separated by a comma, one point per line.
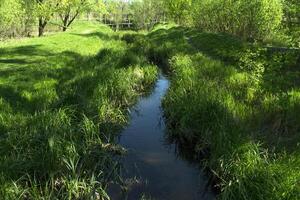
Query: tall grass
x=64, y=97
x=236, y=104
x=62, y=100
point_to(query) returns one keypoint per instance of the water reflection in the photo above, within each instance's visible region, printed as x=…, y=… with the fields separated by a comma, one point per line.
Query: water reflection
x=152, y=169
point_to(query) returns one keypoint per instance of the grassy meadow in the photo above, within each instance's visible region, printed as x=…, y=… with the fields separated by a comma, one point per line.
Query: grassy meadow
x=62, y=100
x=238, y=104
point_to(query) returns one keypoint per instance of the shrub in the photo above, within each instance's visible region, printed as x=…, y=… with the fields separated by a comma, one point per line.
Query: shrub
x=10, y=12
x=246, y=18
x=16, y=18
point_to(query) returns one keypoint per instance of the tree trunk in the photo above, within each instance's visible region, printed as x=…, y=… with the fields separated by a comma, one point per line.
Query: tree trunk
x=68, y=20
x=42, y=25
x=65, y=23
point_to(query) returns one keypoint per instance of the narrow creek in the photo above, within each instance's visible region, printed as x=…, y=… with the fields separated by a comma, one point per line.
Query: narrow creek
x=152, y=164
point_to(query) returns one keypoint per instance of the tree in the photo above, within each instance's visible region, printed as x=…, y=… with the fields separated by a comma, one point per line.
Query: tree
x=69, y=10
x=45, y=10
x=11, y=18
x=116, y=9
x=29, y=17
x=292, y=12
x=249, y=19
x=97, y=8
x=147, y=12
x=179, y=10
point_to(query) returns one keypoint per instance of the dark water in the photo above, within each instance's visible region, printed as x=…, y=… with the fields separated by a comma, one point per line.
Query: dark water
x=152, y=167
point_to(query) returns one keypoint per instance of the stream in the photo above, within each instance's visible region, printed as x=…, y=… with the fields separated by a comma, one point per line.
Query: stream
x=152, y=167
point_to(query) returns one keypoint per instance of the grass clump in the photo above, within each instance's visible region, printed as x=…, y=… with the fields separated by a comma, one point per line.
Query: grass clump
x=62, y=99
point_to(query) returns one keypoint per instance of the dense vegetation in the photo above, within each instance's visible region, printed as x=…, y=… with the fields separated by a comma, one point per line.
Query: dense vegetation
x=234, y=96
x=238, y=105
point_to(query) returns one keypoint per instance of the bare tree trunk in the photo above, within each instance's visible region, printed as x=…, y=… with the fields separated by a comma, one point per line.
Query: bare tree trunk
x=65, y=23
x=64, y=27
x=42, y=25
x=67, y=19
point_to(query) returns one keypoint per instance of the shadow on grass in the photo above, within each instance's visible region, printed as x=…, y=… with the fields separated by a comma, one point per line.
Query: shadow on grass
x=42, y=93
x=28, y=50
x=24, y=76
x=10, y=95
x=13, y=61
x=100, y=35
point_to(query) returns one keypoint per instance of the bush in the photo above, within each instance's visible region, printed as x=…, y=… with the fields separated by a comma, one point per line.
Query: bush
x=245, y=18
x=10, y=12
x=16, y=18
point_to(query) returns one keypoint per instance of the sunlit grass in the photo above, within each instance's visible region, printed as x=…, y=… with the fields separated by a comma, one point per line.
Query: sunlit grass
x=62, y=99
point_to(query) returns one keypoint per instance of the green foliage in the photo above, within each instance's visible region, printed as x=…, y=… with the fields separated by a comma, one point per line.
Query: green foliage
x=147, y=13
x=69, y=10
x=46, y=8
x=11, y=14
x=244, y=18
x=20, y=17
x=292, y=10
x=116, y=9
x=290, y=33
x=179, y=10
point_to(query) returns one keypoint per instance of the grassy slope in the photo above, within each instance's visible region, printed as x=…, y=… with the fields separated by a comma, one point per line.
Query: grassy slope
x=62, y=98
x=238, y=104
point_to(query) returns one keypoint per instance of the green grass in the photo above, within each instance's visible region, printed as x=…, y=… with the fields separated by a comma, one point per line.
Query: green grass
x=64, y=97
x=237, y=104
x=62, y=100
